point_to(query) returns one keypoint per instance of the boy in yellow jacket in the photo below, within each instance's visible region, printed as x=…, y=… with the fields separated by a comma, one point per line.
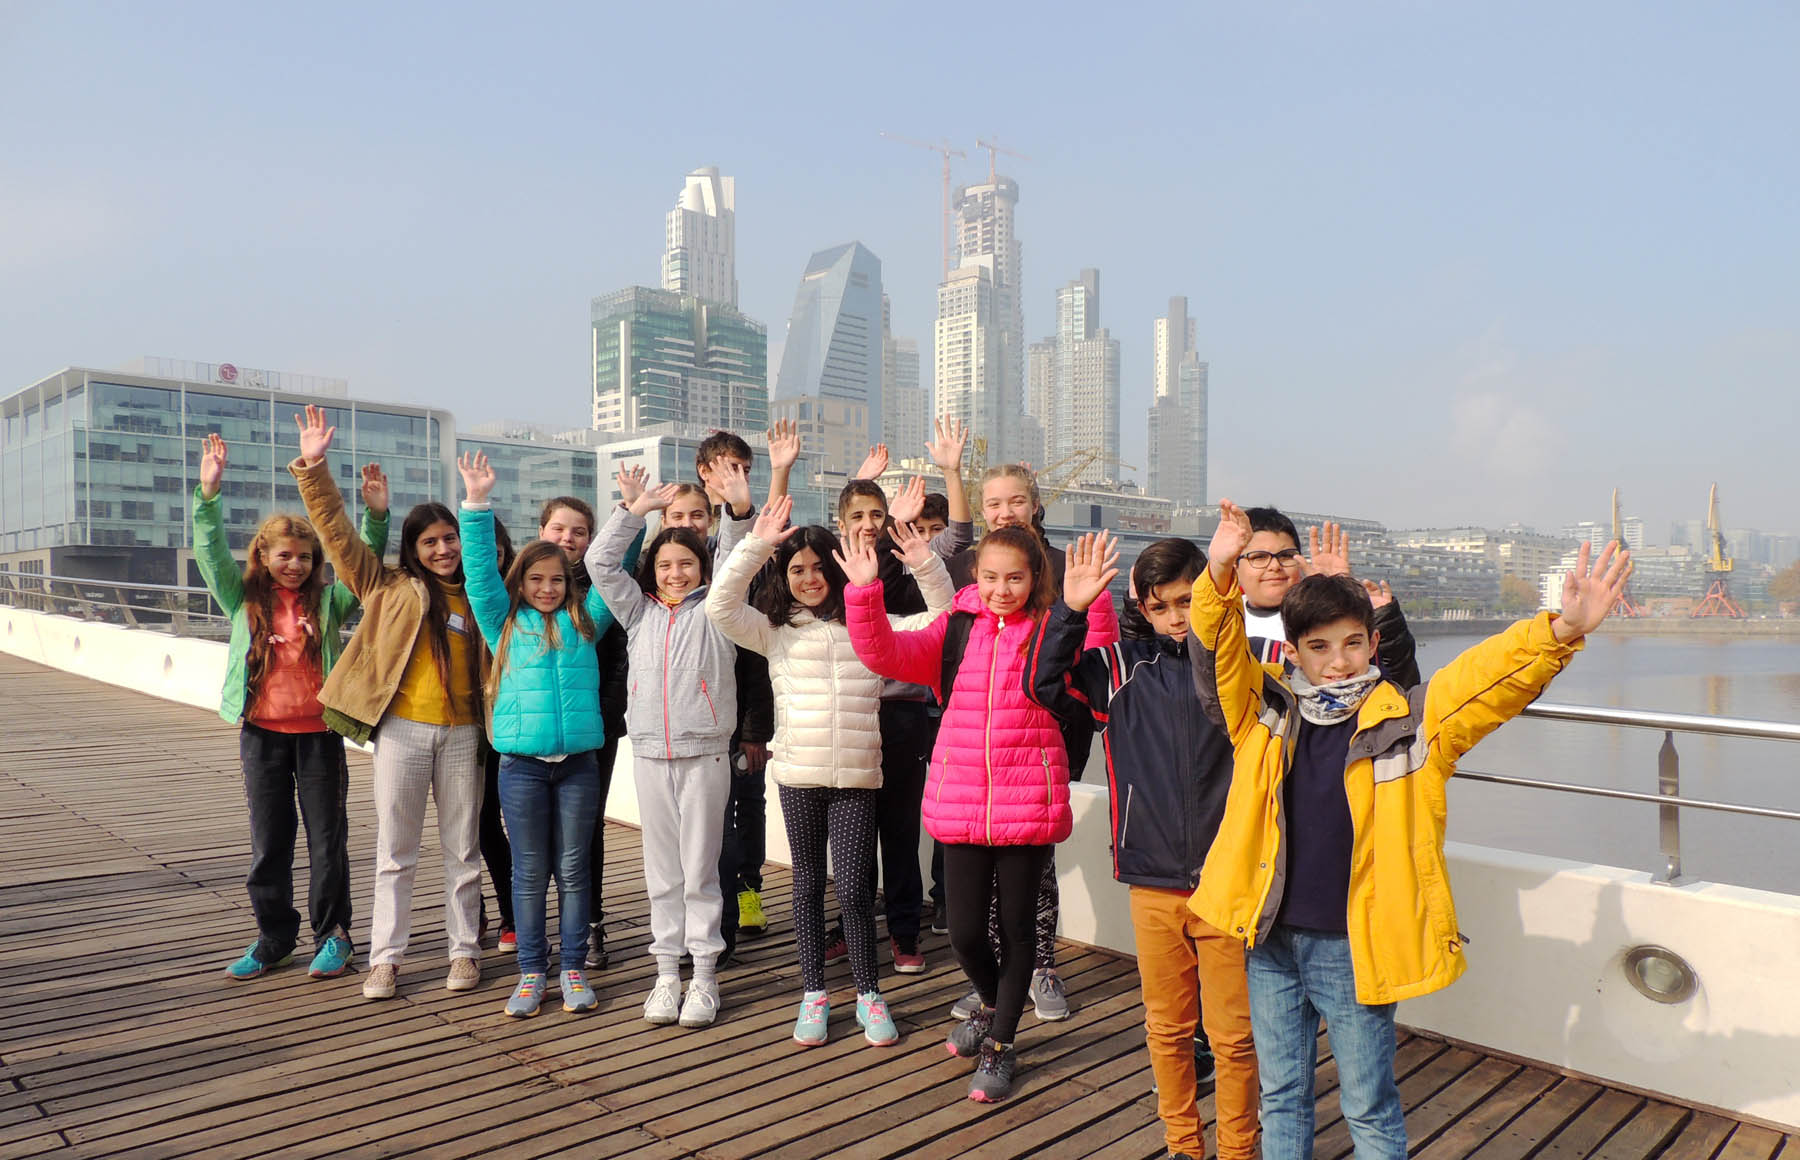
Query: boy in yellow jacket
x=1329, y=862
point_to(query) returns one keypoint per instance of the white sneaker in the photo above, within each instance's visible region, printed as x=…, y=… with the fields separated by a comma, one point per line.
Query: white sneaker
x=701, y=1006
x=664, y=1002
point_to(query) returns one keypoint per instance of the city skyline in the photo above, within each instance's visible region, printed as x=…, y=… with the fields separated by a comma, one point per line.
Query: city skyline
x=1532, y=265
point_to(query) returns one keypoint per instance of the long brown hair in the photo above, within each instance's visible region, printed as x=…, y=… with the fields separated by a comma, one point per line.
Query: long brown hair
x=1025, y=542
x=259, y=596
x=574, y=603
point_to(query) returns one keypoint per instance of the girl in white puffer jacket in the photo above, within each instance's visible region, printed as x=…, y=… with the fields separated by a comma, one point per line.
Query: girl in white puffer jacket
x=825, y=758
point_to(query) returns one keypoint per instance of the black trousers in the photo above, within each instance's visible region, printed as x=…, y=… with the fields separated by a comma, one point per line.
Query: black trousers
x=496, y=851
x=278, y=769
x=605, y=758
x=1008, y=877
x=908, y=734
x=750, y=817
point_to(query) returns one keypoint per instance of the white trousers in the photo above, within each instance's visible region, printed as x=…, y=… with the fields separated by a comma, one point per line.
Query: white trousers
x=414, y=761
x=681, y=805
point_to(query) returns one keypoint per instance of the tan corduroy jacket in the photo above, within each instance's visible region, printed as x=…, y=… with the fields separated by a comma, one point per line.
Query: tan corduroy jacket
x=363, y=682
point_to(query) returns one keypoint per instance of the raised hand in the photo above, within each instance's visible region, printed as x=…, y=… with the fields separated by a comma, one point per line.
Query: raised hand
x=212, y=465
x=477, y=475
x=375, y=488
x=733, y=481
x=654, y=500
x=1380, y=595
x=914, y=546
x=315, y=434
x=1329, y=553
x=1590, y=594
x=908, y=503
x=876, y=463
x=632, y=481
x=1092, y=565
x=947, y=449
x=861, y=567
x=1229, y=540
x=784, y=444
x=771, y=523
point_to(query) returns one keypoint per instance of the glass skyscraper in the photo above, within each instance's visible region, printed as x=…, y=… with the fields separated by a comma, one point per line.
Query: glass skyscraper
x=834, y=337
x=661, y=357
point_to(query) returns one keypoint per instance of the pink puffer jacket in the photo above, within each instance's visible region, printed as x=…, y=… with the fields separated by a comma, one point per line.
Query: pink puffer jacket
x=999, y=775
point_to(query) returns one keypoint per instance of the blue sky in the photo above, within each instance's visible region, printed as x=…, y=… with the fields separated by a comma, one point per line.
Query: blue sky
x=1450, y=262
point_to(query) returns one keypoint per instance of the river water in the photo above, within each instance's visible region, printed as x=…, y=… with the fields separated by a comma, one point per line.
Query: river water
x=1716, y=676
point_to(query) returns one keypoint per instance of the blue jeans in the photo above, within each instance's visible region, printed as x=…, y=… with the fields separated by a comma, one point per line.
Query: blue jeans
x=1296, y=976
x=550, y=809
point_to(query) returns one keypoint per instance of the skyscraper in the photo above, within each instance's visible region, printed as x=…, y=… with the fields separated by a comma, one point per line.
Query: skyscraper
x=700, y=258
x=834, y=336
x=967, y=356
x=1178, y=414
x=661, y=357
x=1074, y=382
x=982, y=237
x=905, y=421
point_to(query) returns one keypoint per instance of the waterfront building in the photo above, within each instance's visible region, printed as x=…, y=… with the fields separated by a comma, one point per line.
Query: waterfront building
x=1516, y=552
x=981, y=318
x=834, y=433
x=833, y=352
x=1177, y=444
x=700, y=255
x=664, y=357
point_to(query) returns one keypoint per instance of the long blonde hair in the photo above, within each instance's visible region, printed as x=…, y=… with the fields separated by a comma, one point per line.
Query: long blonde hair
x=574, y=603
x=1025, y=476
x=259, y=594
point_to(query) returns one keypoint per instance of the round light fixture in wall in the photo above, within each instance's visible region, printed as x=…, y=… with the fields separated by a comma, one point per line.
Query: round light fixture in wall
x=1660, y=974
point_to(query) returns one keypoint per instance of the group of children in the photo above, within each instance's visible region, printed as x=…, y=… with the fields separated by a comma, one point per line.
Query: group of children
x=1276, y=767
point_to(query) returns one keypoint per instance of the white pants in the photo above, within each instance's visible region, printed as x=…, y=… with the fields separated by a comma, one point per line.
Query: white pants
x=414, y=761
x=681, y=805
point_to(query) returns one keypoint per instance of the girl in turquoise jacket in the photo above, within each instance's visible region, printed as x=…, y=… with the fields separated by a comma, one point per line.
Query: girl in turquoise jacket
x=285, y=636
x=544, y=698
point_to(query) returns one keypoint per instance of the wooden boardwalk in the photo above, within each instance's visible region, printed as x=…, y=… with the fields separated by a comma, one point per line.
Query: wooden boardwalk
x=122, y=850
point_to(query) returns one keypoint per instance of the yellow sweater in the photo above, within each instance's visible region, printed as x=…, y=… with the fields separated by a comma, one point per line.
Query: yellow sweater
x=421, y=696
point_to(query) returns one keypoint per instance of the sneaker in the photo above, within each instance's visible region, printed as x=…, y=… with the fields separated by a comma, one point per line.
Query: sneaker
x=465, y=974
x=249, y=967
x=596, y=956
x=940, y=918
x=1047, y=997
x=751, y=919
x=1206, y=1074
x=815, y=1010
x=992, y=1081
x=577, y=995
x=701, y=1006
x=527, y=995
x=333, y=959
x=509, y=939
x=664, y=1004
x=380, y=983
x=966, y=1038
x=837, y=949
x=907, y=962
x=966, y=1006
x=878, y=1026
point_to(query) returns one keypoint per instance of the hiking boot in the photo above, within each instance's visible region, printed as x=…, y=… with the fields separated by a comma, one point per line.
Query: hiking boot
x=526, y=996
x=249, y=967
x=1047, y=997
x=878, y=1026
x=940, y=918
x=993, y=1078
x=907, y=959
x=333, y=959
x=596, y=956
x=465, y=974
x=966, y=1038
x=577, y=995
x=664, y=1004
x=809, y=1028
x=752, y=922
x=966, y=1006
x=381, y=980
x=701, y=1006
x=837, y=949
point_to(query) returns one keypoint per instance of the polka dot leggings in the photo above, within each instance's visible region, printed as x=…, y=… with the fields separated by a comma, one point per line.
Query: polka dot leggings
x=845, y=818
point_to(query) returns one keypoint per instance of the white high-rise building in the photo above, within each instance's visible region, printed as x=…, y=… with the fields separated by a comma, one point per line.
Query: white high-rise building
x=906, y=413
x=967, y=356
x=1075, y=385
x=982, y=236
x=700, y=258
x=1178, y=414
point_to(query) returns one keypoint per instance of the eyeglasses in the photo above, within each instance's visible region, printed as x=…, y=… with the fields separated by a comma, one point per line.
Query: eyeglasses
x=1287, y=558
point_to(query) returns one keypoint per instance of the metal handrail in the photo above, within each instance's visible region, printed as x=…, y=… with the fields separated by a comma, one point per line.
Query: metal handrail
x=1679, y=722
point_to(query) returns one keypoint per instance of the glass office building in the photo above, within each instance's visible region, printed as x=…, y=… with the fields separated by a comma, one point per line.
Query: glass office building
x=528, y=471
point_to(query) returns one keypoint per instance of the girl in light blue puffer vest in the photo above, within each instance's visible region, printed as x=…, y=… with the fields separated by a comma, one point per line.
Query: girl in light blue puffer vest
x=544, y=698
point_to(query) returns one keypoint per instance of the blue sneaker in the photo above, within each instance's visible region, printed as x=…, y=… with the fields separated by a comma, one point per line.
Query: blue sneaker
x=815, y=1011
x=878, y=1026
x=577, y=995
x=333, y=959
x=526, y=996
x=249, y=967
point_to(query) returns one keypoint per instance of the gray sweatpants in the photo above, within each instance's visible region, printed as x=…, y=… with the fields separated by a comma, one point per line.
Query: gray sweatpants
x=681, y=804
x=414, y=761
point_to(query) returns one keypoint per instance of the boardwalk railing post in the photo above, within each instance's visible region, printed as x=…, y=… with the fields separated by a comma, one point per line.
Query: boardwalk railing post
x=1668, y=784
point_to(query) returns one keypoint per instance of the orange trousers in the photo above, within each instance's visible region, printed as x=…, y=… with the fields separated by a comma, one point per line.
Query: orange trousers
x=1179, y=959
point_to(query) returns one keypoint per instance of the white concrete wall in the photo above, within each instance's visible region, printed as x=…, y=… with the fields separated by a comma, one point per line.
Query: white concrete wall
x=1548, y=937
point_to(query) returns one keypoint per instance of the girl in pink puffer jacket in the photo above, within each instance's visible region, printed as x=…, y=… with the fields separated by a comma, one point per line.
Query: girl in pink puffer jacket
x=997, y=795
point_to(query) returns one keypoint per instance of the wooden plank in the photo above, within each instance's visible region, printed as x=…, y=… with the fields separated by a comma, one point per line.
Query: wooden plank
x=1646, y=1133
x=1474, y=1128
x=1750, y=1142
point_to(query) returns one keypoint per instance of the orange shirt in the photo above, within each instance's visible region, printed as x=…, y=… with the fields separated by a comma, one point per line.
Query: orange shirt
x=287, y=695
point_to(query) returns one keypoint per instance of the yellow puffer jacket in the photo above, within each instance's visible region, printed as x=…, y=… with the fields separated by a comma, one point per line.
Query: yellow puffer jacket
x=1404, y=939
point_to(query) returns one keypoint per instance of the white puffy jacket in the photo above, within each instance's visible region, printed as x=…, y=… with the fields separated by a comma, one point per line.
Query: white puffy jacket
x=827, y=702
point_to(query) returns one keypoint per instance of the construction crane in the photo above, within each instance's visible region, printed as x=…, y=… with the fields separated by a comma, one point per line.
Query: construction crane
x=1627, y=606
x=994, y=147
x=1072, y=466
x=1718, y=601
x=943, y=149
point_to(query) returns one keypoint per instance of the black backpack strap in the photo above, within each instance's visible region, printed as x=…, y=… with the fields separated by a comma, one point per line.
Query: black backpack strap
x=956, y=642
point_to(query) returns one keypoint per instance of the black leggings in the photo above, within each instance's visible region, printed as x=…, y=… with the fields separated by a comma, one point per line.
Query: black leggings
x=1010, y=877
x=1049, y=909
x=845, y=818
x=605, y=758
x=496, y=851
